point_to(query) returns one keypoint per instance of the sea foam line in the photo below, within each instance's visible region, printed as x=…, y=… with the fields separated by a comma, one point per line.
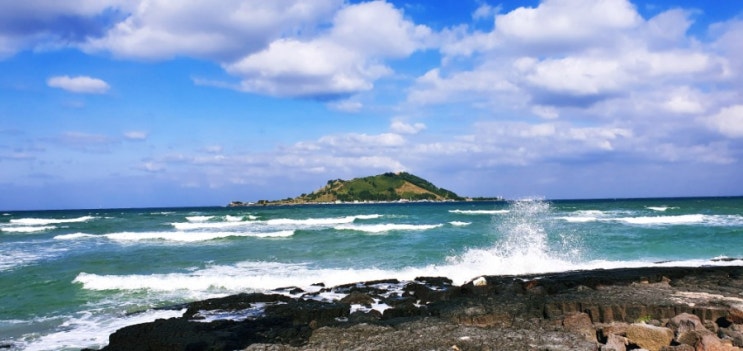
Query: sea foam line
x=387, y=227
x=687, y=219
x=176, y=236
x=47, y=221
x=27, y=229
x=89, y=330
x=479, y=212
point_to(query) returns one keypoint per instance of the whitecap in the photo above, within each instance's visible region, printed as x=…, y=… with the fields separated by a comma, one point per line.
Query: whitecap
x=459, y=224
x=187, y=237
x=47, y=221
x=27, y=229
x=319, y=221
x=664, y=220
x=387, y=227
x=74, y=236
x=479, y=212
x=198, y=218
x=209, y=225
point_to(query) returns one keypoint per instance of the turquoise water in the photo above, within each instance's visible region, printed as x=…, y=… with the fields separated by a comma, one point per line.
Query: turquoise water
x=70, y=278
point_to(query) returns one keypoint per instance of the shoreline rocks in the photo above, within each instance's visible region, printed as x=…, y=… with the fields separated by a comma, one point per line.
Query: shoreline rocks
x=655, y=308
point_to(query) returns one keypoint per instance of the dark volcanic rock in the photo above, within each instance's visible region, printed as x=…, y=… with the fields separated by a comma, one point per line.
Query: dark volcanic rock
x=560, y=311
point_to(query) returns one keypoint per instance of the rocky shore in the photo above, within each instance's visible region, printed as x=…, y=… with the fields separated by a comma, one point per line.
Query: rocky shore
x=657, y=308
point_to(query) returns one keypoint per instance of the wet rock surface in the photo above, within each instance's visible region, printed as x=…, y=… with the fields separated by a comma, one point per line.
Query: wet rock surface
x=657, y=308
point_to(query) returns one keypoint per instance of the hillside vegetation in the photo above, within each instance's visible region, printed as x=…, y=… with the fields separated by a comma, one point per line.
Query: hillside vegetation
x=383, y=187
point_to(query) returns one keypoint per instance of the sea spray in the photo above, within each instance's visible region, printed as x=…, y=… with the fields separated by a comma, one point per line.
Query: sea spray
x=527, y=242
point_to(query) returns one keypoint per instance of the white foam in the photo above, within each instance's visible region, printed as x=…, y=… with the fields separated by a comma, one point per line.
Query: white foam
x=27, y=229
x=199, y=218
x=459, y=224
x=241, y=277
x=209, y=225
x=14, y=258
x=386, y=227
x=47, y=221
x=665, y=220
x=229, y=218
x=479, y=212
x=74, y=236
x=193, y=236
x=319, y=221
x=88, y=330
x=255, y=310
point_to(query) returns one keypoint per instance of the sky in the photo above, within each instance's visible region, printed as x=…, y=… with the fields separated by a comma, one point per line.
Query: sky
x=148, y=103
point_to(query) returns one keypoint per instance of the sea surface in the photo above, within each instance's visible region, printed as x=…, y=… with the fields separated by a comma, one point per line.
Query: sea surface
x=70, y=278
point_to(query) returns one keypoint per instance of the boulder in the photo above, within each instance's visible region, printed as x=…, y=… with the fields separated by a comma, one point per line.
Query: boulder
x=649, y=337
x=705, y=340
x=735, y=313
x=580, y=323
x=685, y=322
x=358, y=298
x=615, y=343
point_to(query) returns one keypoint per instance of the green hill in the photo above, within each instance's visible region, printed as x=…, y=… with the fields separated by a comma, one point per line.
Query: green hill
x=383, y=187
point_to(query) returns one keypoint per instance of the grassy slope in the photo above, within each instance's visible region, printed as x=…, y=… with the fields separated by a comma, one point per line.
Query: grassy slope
x=383, y=187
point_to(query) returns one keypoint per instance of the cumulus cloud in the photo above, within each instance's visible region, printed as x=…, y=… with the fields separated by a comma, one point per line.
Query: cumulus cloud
x=728, y=122
x=344, y=60
x=79, y=84
x=39, y=24
x=160, y=29
x=611, y=83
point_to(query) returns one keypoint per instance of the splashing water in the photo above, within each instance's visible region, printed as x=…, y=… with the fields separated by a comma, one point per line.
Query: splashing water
x=524, y=245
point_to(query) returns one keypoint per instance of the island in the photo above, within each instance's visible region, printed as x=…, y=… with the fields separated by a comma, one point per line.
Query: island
x=386, y=187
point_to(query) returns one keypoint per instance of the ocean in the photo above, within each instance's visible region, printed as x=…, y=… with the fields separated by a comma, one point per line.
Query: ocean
x=70, y=278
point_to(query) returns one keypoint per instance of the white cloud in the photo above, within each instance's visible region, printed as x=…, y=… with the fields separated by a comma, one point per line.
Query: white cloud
x=40, y=24
x=346, y=59
x=135, y=135
x=161, y=29
x=561, y=22
x=306, y=69
x=728, y=122
x=484, y=11
x=401, y=127
x=79, y=84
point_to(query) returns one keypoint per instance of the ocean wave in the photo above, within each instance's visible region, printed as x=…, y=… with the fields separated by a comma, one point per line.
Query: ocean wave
x=193, y=236
x=319, y=221
x=660, y=208
x=15, y=258
x=687, y=219
x=283, y=223
x=74, y=236
x=479, y=212
x=27, y=229
x=184, y=237
x=48, y=221
x=198, y=218
x=209, y=225
x=87, y=329
x=387, y=227
x=459, y=224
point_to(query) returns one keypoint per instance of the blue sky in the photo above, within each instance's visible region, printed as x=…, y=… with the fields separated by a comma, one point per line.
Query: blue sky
x=118, y=103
